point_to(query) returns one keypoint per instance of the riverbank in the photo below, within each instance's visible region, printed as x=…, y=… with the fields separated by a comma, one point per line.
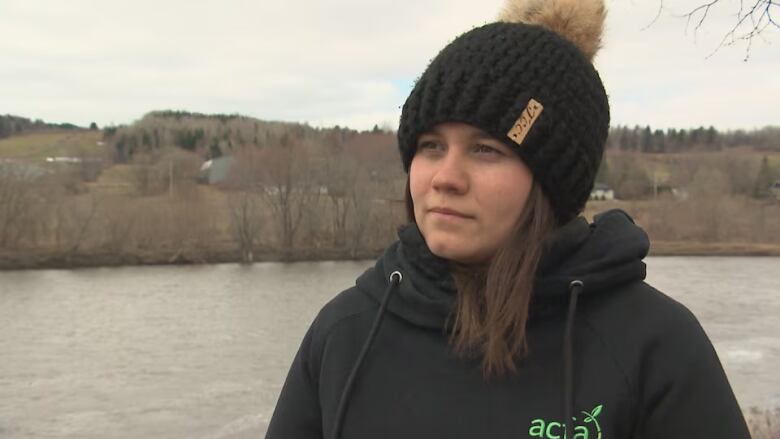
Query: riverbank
x=686, y=248
x=45, y=260
x=764, y=423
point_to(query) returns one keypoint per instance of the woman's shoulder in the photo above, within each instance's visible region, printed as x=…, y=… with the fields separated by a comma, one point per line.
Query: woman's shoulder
x=638, y=320
x=639, y=305
x=669, y=362
x=349, y=304
x=639, y=323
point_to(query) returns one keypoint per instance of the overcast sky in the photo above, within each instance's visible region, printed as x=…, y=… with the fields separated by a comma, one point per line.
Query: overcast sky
x=346, y=62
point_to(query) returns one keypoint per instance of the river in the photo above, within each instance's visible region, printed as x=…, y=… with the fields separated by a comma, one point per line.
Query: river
x=202, y=351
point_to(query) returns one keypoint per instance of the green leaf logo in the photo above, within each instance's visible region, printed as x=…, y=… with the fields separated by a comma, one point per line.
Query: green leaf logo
x=591, y=417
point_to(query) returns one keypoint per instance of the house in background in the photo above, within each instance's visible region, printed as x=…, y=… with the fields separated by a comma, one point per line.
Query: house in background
x=602, y=192
x=215, y=171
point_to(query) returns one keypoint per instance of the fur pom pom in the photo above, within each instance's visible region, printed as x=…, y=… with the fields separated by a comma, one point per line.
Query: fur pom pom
x=579, y=21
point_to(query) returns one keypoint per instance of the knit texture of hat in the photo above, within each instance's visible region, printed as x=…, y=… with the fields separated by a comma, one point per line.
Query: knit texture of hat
x=488, y=77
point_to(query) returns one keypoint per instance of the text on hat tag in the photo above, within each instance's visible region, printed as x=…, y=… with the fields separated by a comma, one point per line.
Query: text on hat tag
x=526, y=120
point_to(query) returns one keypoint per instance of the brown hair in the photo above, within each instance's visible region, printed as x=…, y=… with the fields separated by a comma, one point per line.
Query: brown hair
x=493, y=300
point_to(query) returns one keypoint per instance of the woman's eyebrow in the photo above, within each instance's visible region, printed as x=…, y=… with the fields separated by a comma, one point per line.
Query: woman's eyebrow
x=484, y=136
x=479, y=135
x=429, y=136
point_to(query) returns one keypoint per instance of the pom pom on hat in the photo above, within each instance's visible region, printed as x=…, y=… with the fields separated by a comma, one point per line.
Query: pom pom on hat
x=579, y=21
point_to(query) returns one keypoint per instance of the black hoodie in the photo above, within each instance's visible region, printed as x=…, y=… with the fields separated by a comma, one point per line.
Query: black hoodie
x=376, y=363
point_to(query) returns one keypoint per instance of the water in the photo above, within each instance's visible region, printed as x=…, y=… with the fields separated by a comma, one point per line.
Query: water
x=202, y=351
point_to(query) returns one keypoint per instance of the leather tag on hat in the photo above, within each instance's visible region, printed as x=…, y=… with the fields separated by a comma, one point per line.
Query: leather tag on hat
x=526, y=120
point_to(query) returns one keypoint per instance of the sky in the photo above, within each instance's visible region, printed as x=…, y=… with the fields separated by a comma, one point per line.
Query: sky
x=349, y=62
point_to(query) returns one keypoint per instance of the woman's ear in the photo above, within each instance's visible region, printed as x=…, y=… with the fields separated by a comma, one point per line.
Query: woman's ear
x=408, y=202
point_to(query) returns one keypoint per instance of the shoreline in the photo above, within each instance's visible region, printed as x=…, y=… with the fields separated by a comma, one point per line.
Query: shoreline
x=687, y=248
x=49, y=260
x=31, y=260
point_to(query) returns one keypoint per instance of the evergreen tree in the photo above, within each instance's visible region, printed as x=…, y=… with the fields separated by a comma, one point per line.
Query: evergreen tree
x=659, y=141
x=647, y=140
x=764, y=180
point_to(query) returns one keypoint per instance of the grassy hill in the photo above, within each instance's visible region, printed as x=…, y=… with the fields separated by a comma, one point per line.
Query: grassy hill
x=38, y=146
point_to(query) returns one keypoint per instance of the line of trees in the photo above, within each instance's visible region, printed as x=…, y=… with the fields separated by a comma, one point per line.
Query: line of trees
x=634, y=177
x=12, y=125
x=649, y=140
x=298, y=191
x=214, y=136
x=307, y=192
x=209, y=136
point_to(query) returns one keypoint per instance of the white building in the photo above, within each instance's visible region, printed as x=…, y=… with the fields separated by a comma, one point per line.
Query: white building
x=602, y=192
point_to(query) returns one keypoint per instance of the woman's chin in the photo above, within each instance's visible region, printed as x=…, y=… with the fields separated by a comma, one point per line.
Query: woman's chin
x=454, y=252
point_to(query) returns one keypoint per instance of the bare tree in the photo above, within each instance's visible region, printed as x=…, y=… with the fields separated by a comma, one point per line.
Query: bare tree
x=287, y=186
x=709, y=188
x=752, y=19
x=191, y=227
x=628, y=177
x=362, y=195
x=147, y=178
x=119, y=220
x=244, y=201
x=18, y=200
x=340, y=175
x=245, y=221
x=73, y=218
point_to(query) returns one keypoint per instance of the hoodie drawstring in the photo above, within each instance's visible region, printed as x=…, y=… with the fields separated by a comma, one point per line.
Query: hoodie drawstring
x=575, y=287
x=395, y=280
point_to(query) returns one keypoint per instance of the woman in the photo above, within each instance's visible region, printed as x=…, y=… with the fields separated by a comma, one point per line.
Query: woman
x=500, y=312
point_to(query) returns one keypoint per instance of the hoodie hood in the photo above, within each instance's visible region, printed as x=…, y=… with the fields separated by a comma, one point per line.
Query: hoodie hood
x=602, y=255
x=352, y=370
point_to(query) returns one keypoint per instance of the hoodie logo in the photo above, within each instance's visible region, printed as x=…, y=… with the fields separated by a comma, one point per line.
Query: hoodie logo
x=523, y=124
x=586, y=428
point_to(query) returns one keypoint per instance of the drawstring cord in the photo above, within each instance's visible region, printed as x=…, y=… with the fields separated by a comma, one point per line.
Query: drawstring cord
x=395, y=280
x=575, y=287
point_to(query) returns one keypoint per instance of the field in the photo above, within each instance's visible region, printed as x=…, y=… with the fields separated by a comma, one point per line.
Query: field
x=38, y=146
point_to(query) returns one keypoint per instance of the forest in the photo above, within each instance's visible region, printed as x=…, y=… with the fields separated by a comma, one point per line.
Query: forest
x=180, y=187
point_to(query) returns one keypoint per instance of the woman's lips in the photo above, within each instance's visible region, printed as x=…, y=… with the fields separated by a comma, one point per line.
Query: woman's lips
x=449, y=212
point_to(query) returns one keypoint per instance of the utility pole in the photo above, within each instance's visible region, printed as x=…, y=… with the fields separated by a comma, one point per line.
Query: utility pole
x=170, y=178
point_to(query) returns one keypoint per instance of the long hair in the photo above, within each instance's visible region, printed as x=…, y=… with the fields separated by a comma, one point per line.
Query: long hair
x=493, y=300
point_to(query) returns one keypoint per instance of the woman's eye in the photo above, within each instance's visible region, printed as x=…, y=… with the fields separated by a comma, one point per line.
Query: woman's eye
x=429, y=145
x=485, y=149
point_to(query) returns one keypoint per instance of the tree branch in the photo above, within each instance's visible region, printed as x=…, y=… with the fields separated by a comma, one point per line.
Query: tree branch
x=751, y=22
x=657, y=16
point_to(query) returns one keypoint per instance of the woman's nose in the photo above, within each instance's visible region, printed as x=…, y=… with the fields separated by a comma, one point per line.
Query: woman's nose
x=451, y=174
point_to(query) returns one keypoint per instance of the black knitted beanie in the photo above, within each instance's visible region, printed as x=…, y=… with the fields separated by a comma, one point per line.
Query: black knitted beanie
x=528, y=81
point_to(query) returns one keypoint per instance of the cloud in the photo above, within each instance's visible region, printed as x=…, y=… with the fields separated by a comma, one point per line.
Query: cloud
x=344, y=62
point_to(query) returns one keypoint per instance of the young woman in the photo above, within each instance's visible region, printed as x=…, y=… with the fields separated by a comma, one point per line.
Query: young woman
x=499, y=312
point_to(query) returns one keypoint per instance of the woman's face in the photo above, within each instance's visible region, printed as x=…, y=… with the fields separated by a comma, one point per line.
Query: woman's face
x=468, y=190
